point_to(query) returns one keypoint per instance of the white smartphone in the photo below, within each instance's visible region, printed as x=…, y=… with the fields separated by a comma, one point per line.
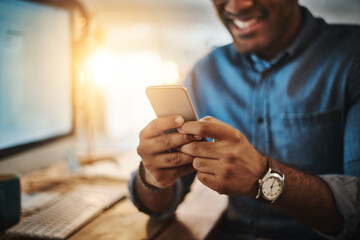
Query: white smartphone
x=171, y=100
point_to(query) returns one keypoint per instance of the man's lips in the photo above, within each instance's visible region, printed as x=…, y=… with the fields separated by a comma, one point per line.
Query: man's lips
x=243, y=24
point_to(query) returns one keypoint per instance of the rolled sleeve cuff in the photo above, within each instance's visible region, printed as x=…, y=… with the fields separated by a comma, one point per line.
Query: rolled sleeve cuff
x=346, y=192
x=168, y=213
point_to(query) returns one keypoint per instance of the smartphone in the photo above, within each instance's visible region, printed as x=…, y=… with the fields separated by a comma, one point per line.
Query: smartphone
x=171, y=100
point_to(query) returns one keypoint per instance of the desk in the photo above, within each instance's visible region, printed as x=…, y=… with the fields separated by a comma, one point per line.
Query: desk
x=196, y=217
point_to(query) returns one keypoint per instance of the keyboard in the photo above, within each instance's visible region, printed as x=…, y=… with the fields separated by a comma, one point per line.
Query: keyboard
x=68, y=214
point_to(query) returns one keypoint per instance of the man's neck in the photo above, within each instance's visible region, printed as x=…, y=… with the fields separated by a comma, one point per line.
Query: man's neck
x=292, y=32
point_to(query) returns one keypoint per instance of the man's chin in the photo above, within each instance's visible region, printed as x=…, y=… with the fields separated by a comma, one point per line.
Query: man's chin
x=249, y=47
x=243, y=49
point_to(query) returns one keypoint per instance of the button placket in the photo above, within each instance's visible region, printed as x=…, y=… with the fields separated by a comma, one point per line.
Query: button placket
x=259, y=111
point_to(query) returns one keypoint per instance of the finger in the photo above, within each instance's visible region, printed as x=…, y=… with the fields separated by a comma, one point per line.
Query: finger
x=205, y=165
x=203, y=149
x=165, y=142
x=213, y=182
x=167, y=176
x=208, y=127
x=159, y=125
x=208, y=180
x=212, y=119
x=177, y=172
x=169, y=160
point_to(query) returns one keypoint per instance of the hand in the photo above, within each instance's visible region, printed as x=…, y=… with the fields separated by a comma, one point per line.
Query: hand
x=230, y=165
x=162, y=165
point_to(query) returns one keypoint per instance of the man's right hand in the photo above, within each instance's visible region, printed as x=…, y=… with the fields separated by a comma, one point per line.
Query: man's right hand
x=162, y=164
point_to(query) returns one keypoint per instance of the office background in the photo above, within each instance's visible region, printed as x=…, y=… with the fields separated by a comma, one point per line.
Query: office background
x=134, y=44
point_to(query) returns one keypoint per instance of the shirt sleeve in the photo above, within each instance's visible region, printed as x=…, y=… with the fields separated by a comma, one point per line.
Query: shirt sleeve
x=346, y=188
x=346, y=191
x=182, y=187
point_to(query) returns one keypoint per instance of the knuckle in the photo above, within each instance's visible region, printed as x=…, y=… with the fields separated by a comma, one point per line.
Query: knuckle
x=147, y=164
x=238, y=139
x=198, y=163
x=202, y=178
x=230, y=158
x=141, y=134
x=153, y=126
x=232, y=155
x=208, y=118
x=181, y=129
x=194, y=147
x=164, y=140
x=140, y=150
x=175, y=159
x=206, y=147
x=227, y=173
x=222, y=189
x=203, y=128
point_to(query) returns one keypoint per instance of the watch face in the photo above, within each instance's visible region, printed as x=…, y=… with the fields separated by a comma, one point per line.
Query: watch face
x=272, y=187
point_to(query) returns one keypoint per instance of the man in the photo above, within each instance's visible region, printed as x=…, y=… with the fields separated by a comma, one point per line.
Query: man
x=285, y=105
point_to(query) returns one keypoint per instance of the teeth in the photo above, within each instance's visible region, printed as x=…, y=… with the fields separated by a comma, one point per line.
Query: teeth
x=245, y=24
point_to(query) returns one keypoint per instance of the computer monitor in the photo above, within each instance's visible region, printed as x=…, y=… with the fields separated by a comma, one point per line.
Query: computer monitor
x=36, y=85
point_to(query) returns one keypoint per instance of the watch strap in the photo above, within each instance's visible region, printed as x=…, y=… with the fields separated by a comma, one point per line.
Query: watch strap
x=274, y=166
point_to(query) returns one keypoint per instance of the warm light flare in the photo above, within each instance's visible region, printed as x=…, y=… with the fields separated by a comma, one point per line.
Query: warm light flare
x=141, y=30
x=102, y=67
x=170, y=72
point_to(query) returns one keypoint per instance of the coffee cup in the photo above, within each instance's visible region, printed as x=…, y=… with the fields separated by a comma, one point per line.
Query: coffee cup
x=10, y=200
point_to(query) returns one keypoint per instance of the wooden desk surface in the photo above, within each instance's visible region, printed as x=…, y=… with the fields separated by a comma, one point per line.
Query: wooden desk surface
x=195, y=218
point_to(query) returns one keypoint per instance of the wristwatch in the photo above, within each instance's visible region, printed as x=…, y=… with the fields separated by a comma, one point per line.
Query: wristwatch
x=272, y=184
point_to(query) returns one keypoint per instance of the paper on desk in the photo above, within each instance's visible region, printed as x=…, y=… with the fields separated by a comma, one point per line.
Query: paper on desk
x=119, y=169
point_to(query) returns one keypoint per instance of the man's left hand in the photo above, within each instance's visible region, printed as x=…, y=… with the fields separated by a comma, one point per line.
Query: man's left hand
x=230, y=164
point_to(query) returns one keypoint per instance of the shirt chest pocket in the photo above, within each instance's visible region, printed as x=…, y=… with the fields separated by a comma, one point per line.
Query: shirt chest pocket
x=314, y=141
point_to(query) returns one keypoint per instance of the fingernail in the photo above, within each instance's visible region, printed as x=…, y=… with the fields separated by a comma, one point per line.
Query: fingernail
x=179, y=120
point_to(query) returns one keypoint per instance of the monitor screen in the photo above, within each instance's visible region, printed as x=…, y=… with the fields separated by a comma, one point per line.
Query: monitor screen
x=36, y=76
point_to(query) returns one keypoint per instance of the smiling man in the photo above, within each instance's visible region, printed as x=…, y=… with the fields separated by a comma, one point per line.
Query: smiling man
x=284, y=101
x=260, y=27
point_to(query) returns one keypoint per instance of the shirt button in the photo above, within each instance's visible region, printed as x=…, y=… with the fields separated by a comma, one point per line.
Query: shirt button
x=260, y=120
x=266, y=73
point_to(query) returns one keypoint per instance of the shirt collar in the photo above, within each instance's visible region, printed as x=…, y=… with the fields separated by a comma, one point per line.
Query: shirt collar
x=308, y=30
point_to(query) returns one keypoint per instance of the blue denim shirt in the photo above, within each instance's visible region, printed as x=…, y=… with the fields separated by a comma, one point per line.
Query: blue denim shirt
x=301, y=108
